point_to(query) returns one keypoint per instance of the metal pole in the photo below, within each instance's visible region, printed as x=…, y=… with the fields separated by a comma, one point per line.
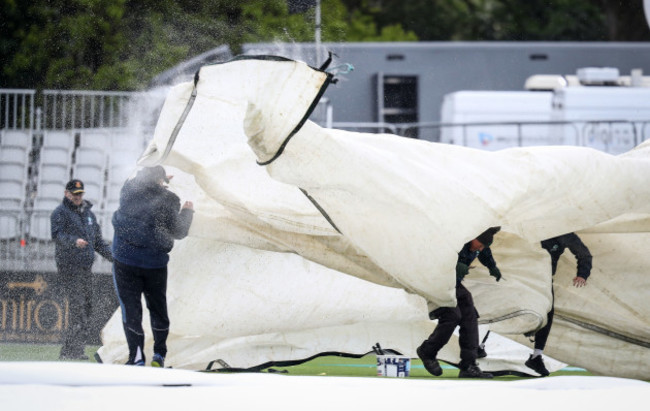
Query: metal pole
x=329, y=115
x=317, y=34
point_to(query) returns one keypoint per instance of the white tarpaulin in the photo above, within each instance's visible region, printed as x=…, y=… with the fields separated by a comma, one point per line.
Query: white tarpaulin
x=274, y=266
x=56, y=386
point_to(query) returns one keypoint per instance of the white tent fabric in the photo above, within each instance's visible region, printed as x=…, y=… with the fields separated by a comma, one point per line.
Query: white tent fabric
x=263, y=276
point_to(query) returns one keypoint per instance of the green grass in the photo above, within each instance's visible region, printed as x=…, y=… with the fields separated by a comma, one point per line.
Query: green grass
x=322, y=366
x=367, y=367
x=37, y=352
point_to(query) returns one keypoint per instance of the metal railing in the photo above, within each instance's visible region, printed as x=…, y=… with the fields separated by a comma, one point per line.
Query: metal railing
x=611, y=136
x=75, y=109
x=17, y=109
x=79, y=109
x=366, y=127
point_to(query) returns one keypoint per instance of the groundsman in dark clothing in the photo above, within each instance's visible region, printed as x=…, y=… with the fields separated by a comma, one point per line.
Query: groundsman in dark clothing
x=464, y=314
x=147, y=222
x=77, y=236
x=555, y=247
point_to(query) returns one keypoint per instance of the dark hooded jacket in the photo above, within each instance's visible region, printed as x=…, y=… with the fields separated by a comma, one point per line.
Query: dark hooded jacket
x=70, y=222
x=466, y=256
x=556, y=246
x=147, y=222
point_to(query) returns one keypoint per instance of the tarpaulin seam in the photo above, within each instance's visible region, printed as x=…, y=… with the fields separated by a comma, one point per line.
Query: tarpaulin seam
x=601, y=330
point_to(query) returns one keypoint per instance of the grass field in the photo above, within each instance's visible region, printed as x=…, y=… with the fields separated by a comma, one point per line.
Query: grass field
x=322, y=366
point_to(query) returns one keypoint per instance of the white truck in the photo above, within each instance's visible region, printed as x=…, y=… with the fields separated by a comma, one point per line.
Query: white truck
x=595, y=108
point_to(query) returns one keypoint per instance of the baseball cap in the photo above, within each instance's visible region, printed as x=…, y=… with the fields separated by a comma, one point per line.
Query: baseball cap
x=75, y=186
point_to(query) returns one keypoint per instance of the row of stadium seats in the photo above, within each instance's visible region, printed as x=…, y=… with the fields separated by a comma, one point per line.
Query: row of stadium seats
x=34, y=170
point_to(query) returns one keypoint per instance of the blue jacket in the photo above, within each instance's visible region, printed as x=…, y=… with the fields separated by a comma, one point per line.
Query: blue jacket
x=146, y=224
x=69, y=223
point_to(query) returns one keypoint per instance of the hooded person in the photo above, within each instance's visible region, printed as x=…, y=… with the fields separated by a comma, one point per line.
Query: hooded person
x=464, y=314
x=148, y=220
x=555, y=247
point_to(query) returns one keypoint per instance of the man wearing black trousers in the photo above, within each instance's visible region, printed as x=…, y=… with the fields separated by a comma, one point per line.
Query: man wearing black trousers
x=146, y=223
x=464, y=314
x=555, y=247
x=77, y=236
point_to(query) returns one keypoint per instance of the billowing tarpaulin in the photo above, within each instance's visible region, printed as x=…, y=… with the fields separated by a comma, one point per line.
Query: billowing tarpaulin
x=291, y=219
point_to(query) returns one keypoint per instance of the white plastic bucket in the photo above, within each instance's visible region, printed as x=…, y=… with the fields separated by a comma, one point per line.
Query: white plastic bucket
x=393, y=366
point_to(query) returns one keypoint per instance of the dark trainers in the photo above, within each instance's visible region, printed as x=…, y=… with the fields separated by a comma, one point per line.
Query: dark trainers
x=158, y=361
x=480, y=352
x=473, y=371
x=430, y=364
x=537, y=364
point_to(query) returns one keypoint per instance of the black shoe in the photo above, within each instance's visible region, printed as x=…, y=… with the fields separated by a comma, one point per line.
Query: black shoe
x=480, y=352
x=430, y=364
x=473, y=371
x=537, y=364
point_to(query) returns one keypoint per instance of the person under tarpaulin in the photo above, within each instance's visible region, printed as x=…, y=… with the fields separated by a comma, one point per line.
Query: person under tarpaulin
x=77, y=236
x=464, y=314
x=148, y=220
x=555, y=247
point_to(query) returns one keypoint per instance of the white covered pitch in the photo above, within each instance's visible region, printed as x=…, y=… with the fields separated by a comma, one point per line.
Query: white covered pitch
x=342, y=240
x=34, y=386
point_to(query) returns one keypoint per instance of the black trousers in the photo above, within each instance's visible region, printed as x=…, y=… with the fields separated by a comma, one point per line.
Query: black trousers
x=463, y=315
x=131, y=283
x=77, y=287
x=541, y=336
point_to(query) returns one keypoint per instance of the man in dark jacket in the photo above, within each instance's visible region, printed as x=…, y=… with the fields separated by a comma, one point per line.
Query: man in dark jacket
x=146, y=224
x=77, y=236
x=464, y=314
x=555, y=247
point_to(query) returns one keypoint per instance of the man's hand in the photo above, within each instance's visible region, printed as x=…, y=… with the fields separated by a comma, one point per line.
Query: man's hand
x=81, y=243
x=188, y=204
x=496, y=273
x=579, y=282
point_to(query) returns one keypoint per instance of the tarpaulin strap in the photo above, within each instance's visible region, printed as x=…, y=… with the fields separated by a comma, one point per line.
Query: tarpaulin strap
x=321, y=210
x=181, y=121
x=302, y=121
x=327, y=62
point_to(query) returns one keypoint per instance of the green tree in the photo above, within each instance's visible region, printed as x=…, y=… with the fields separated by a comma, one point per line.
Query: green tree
x=512, y=20
x=271, y=21
x=60, y=43
x=122, y=44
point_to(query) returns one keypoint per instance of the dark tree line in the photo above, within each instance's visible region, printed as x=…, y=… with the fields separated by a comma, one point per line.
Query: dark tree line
x=122, y=44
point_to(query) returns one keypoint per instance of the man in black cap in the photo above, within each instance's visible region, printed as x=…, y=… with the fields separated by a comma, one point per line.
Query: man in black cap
x=464, y=314
x=77, y=236
x=147, y=222
x=555, y=247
